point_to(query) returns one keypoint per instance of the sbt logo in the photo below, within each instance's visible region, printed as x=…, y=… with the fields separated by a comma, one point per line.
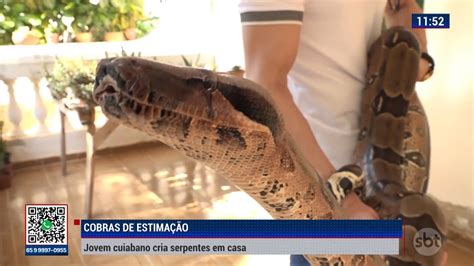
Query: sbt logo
x=427, y=241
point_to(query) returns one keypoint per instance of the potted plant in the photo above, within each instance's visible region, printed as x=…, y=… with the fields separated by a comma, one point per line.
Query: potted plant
x=51, y=35
x=26, y=36
x=144, y=26
x=108, y=24
x=7, y=25
x=114, y=35
x=114, y=32
x=71, y=83
x=5, y=164
x=21, y=21
x=120, y=19
x=190, y=63
x=130, y=15
x=82, y=12
x=236, y=71
x=52, y=15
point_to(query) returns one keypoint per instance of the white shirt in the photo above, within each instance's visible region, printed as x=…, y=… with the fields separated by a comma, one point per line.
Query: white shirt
x=328, y=75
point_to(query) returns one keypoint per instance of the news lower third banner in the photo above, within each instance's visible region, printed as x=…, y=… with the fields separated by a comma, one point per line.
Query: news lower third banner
x=192, y=237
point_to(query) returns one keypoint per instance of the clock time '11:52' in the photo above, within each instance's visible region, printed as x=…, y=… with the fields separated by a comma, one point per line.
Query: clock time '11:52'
x=439, y=21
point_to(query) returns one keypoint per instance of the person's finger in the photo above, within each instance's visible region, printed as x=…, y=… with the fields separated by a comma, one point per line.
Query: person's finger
x=444, y=259
x=356, y=209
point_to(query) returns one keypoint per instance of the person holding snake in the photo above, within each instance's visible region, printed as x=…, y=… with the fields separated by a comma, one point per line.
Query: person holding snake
x=326, y=89
x=312, y=55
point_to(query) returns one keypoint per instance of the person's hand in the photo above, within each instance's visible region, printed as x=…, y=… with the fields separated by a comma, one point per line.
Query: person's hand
x=354, y=208
x=444, y=260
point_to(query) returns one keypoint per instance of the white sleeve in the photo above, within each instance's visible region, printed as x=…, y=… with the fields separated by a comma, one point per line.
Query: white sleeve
x=258, y=12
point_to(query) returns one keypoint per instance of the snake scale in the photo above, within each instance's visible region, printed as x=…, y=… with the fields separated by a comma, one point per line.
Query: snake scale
x=232, y=125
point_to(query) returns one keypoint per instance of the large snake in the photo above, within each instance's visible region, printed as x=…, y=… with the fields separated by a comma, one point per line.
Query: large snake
x=232, y=125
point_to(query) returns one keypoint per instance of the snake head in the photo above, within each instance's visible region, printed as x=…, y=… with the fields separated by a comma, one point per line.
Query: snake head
x=170, y=103
x=130, y=88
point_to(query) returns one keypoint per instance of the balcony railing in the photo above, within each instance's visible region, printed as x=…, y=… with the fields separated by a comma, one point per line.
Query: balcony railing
x=30, y=113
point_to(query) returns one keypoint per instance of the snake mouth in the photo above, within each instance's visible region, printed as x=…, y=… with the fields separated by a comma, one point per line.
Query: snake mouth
x=110, y=92
x=107, y=95
x=118, y=103
x=126, y=100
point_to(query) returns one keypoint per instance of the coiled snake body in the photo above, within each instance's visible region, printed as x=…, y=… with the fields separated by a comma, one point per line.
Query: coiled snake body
x=231, y=125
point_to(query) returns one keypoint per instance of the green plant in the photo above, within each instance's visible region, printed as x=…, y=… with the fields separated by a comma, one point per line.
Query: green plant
x=106, y=19
x=119, y=15
x=52, y=16
x=49, y=16
x=128, y=12
x=236, y=68
x=72, y=78
x=19, y=15
x=189, y=63
x=83, y=12
x=146, y=25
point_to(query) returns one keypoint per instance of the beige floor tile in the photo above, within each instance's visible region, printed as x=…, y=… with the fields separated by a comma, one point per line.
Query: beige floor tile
x=152, y=182
x=6, y=250
x=75, y=173
x=4, y=222
x=156, y=260
x=460, y=256
x=30, y=177
x=4, y=199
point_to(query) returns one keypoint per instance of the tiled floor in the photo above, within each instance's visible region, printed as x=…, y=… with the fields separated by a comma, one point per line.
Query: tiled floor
x=142, y=182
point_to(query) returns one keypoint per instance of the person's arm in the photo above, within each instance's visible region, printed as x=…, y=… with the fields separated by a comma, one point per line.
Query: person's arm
x=270, y=51
x=402, y=17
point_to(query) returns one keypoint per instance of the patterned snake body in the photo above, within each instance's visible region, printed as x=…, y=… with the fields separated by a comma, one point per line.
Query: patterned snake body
x=394, y=143
x=231, y=125
x=206, y=117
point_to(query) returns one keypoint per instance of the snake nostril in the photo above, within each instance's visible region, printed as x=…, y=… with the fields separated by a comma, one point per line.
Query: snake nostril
x=110, y=89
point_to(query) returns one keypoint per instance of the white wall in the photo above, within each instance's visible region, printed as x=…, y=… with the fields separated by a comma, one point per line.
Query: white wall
x=448, y=100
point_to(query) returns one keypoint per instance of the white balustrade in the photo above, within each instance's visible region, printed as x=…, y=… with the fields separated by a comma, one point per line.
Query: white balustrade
x=40, y=109
x=29, y=116
x=14, y=113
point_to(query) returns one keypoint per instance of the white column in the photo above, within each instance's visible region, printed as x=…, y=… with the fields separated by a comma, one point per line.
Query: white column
x=40, y=109
x=14, y=112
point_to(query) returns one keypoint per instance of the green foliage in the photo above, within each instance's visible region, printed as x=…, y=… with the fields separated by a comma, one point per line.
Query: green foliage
x=119, y=15
x=236, y=68
x=98, y=16
x=38, y=16
x=146, y=25
x=421, y=3
x=83, y=14
x=73, y=78
x=52, y=15
x=189, y=63
x=14, y=15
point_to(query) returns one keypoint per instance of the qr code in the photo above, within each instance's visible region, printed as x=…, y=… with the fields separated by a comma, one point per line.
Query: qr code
x=46, y=224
